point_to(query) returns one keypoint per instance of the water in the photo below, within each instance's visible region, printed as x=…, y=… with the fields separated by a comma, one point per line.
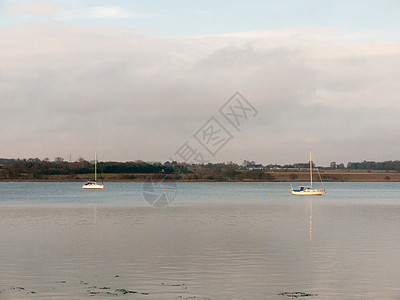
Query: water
x=214, y=241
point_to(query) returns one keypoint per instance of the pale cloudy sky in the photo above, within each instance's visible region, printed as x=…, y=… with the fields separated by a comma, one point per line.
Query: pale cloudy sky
x=137, y=79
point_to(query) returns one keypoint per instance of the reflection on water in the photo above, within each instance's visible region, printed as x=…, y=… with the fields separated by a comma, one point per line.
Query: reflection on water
x=94, y=216
x=265, y=246
x=310, y=209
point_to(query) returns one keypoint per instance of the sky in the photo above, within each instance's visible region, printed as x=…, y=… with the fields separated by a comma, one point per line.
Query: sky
x=153, y=80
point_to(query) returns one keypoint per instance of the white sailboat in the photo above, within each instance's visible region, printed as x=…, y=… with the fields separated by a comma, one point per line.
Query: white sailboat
x=90, y=185
x=308, y=190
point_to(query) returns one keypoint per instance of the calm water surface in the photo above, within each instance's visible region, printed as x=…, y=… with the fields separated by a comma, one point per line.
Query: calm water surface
x=214, y=241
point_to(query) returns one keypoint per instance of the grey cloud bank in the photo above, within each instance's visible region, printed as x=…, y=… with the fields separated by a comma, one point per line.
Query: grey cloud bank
x=67, y=89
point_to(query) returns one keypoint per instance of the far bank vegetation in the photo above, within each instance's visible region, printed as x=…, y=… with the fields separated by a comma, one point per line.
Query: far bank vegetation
x=34, y=169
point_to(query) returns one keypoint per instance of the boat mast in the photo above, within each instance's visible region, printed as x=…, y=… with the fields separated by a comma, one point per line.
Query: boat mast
x=95, y=166
x=310, y=170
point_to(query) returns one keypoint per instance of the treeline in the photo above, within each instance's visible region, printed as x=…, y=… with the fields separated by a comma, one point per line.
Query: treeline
x=38, y=169
x=34, y=168
x=372, y=165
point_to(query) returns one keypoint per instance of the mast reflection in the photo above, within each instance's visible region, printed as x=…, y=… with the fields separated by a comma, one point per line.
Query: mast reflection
x=310, y=218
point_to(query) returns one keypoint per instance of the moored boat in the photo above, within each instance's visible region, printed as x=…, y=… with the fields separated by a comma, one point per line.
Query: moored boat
x=308, y=190
x=93, y=185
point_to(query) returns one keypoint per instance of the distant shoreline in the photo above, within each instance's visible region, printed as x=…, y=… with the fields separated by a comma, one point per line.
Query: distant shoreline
x=360, y=176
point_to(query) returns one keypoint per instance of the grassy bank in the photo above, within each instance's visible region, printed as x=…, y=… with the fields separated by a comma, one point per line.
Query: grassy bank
x=331, y=176
x=337, y=176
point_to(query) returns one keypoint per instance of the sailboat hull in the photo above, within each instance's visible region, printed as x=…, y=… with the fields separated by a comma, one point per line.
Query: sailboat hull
x=93, y=186
x=308, y=193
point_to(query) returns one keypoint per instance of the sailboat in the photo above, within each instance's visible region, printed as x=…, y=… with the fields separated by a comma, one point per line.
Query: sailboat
x=93, y=184
x=308, y=190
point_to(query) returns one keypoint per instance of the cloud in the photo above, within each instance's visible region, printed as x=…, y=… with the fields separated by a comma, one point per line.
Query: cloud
x=64, y=12
x=115, y=12
x=39, y=8
x=74, y=90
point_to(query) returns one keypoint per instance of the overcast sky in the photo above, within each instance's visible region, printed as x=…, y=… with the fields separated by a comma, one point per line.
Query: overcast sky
x=138, y=79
